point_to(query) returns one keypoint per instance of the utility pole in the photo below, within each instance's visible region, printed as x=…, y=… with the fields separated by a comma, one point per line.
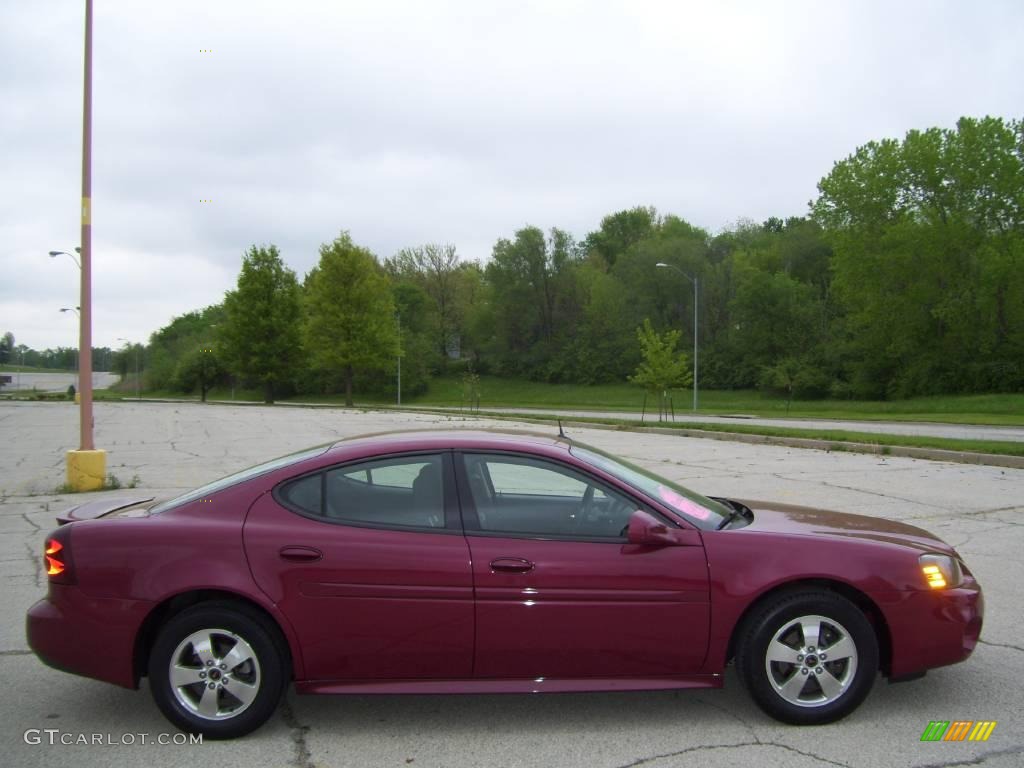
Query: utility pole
x=86, y=467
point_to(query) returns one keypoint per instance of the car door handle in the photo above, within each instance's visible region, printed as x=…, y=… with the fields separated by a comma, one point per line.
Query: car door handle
x=300, y=554
x=511, y=565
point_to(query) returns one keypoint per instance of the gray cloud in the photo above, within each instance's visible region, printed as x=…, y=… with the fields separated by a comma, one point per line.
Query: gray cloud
x=443, y=121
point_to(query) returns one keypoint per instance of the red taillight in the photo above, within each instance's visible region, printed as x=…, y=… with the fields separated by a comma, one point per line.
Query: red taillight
x=57, y=557
x=54, y=561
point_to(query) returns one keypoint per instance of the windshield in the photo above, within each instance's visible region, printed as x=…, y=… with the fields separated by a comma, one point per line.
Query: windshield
x=701, y=511
x=238, y=477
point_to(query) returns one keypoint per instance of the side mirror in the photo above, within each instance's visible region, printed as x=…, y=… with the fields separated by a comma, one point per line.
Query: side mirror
x=646, y=529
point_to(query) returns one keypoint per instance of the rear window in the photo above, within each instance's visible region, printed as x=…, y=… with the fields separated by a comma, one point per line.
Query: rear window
x=239, y=477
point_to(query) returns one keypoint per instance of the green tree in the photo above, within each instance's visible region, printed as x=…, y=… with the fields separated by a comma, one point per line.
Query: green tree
x=794, y=375
x=350, y=314
x=603, y=347
x=621, y=231
x=535, y=309
x=433, y=268
x=662, y=368
x=167, y=346
x=928, y=258
x=6, y=347
x=260, y=337
x=774, y=315
x=202, y=368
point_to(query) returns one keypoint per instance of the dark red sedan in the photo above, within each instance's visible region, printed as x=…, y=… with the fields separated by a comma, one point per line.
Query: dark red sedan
x=444, y=562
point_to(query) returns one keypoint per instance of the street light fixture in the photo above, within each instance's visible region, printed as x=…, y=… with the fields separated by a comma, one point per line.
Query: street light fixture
x=76, y=310
x=55, y=254
x=693, y=280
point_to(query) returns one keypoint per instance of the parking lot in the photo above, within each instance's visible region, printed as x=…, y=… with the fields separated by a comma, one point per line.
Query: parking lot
x=168, y=447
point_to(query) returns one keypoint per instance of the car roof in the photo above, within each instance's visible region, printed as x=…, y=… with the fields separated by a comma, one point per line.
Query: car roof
x=436, y=439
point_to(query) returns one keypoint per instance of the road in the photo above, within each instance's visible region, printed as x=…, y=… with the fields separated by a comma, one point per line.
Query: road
x=922, y=429
x=174, y=446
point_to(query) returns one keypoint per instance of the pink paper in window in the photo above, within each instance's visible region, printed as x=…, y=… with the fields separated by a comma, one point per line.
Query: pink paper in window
x=682, y=503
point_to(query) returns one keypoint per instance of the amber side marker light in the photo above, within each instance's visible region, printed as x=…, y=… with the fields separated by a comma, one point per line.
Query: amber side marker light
x=934, y=576
x=941, y=571
x=54, y=564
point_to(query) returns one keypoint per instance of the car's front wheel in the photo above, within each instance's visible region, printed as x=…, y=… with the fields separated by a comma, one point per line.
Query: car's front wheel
x=217, y=669
x=808, y=658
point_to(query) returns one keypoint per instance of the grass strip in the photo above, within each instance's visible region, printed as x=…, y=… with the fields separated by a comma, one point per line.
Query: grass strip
x=998, y=447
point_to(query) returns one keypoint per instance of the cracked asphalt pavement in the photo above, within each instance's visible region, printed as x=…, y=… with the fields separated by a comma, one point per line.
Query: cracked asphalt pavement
x=170, y=447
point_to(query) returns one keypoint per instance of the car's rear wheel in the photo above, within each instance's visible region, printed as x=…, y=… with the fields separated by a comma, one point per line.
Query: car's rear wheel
x=808, y=658
x=217, y=669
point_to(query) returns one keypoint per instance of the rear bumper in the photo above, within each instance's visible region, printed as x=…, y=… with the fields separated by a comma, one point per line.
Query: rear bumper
x=92, y=637
x=933, y=629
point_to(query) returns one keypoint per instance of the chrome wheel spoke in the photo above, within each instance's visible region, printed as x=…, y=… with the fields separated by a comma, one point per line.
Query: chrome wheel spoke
x=240, y=654
x=244, y=692
x=830, y=686
x=811, y=629
x=184, y=676
x=841, y=649
x=208, y=705
x=792, y=688
x=203, y=648
x=782, y=653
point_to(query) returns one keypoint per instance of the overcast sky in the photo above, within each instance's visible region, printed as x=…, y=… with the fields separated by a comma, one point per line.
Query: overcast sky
x=430, y=121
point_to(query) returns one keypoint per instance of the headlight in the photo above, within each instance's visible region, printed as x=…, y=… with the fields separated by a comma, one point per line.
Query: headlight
x=941, y=571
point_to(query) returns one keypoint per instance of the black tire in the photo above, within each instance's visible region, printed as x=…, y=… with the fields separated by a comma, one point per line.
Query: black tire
x=832, y=687
x=232, y=631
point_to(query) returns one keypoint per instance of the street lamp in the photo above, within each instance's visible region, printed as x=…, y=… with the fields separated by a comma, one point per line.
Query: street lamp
x=693, y=280
x=87, y=466
x=137, y=395
x=55, y=254
x=76, y=310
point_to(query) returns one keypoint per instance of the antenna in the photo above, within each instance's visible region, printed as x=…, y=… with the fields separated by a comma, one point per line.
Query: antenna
x=561, y=432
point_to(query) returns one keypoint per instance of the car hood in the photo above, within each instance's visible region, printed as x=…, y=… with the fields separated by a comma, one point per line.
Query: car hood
x=788, y=519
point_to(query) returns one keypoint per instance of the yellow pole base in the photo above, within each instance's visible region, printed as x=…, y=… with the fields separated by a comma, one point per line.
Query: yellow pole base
x=86, y=470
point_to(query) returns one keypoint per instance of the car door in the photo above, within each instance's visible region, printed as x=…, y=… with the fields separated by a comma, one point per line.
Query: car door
x=369, y=564
x=560, y=593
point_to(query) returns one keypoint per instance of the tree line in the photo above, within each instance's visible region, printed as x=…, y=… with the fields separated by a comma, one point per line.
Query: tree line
x=58, y=359
x=906, y=277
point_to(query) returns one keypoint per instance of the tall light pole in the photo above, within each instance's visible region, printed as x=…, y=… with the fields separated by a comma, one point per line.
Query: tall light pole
x=87, y=466
x=693, y=280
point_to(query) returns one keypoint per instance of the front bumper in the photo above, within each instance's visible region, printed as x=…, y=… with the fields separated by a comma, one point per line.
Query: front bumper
x=933, y=628
x=92, y=637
